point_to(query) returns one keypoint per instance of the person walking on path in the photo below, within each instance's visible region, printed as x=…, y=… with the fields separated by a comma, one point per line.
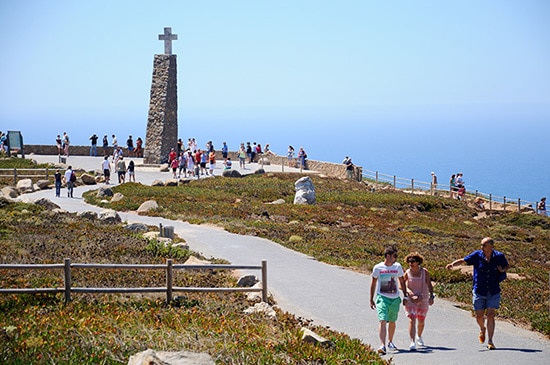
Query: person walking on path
x=131, y=171
x=385, y=276
x=490, y=268
x=106, y=167
x=57, y=178
x=121, y=169
x=420, y=295
x=69, y=180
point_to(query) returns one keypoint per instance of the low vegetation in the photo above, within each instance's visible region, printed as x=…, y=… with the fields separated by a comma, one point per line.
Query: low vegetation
x=349, y=226
x=108, y=329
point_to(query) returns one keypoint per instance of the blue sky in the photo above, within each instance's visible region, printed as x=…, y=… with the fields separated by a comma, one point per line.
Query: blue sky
x=67, y=63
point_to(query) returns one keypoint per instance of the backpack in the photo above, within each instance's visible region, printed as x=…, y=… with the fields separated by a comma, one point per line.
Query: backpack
x=73, y=177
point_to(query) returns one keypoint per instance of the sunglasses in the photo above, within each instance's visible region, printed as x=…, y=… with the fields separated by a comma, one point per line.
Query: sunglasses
x=411, y=261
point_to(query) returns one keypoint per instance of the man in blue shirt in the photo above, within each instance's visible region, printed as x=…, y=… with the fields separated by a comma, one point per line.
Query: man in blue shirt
x=490, y=268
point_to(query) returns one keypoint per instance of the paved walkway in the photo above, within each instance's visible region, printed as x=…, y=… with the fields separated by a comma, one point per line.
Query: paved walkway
x=332, y=296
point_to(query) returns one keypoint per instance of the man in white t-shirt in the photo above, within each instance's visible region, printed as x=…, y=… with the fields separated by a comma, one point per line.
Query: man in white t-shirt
x=385, y=277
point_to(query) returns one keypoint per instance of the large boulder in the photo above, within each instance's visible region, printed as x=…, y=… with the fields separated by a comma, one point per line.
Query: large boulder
x=152, y=357
x=10, y=192
x=109, y=216
x=147, y=206
x=43, y=184
x=46, y=203
x=25, y=186
x=137, y=227
x=117, y=197
x=171, y=182
x=157, y=183
x=305, y=191
x=88, y=179
x=104, y=192
x=88, y=214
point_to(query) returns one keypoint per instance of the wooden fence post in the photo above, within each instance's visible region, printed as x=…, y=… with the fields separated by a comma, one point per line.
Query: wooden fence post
x=67, y=278
x=412, y=186
x=519, y=205
x=264, y=281
x=490, y=201
x=14, y=176
x=169, y=280
x=394, y=182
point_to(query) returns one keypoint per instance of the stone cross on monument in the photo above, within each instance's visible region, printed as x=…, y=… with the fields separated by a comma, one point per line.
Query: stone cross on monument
x=168, y=37
x=162, y=123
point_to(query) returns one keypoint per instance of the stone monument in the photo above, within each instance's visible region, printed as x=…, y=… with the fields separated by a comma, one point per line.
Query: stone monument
x=162, y=122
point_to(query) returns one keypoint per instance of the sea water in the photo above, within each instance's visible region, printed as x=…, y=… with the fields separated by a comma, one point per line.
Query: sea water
x=502, y=153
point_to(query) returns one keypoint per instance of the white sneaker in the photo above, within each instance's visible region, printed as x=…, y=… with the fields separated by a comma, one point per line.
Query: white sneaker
x=420, y=341
x=391, y=346
x=412, y=346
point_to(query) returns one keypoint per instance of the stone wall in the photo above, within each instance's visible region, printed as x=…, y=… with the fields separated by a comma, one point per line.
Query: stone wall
x=162, y=123
x=327, y=168
x=73, y=150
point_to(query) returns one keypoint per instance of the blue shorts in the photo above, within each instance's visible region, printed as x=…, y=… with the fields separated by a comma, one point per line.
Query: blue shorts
x=482, y=302
x=387, y=308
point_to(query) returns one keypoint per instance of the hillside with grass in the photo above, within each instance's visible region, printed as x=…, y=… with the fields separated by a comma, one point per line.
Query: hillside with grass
x=349, y=226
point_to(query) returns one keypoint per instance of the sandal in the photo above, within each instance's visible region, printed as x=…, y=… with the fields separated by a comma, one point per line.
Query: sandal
x=482, y=336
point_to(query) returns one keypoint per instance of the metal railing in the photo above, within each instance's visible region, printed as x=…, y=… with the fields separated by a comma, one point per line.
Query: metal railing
x=413, y=186
x=169, y=289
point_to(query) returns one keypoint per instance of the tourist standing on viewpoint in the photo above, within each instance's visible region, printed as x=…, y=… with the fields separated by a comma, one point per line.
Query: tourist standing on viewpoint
x=105, y=145
x=490, y=268
x=66, y=144
x=106, y=166
x=225, y=150
x=541, y=207
x=130, y=146
x=302, y=155
x=290, y=155
x=59, y=143
x=242, y=156
x=420, y=295
x=434, y=183
x=139, y=147
x=385, y=277
x=93, y=148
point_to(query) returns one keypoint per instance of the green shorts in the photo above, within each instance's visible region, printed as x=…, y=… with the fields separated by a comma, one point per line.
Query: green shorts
x=387, y=308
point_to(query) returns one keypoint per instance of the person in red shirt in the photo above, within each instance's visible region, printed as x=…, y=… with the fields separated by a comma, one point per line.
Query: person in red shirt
x=172, y=156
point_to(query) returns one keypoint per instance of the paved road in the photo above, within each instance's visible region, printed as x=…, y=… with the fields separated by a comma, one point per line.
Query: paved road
x=332, y=296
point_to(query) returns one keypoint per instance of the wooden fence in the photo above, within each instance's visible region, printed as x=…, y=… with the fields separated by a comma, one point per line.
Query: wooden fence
x=169, y=289
x=492, y=202
x=17, y=173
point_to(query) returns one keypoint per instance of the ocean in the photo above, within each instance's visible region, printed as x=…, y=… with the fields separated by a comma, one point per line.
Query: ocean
x=503, y=153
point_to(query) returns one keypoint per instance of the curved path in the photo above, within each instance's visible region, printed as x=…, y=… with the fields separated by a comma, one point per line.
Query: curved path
x=332, y=296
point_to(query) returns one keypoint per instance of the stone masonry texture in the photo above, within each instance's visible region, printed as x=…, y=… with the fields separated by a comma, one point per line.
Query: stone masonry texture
x=162, y=122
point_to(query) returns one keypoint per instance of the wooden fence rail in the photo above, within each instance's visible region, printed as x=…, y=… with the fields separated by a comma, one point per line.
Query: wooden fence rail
x=169, y=289
x=18, y=173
